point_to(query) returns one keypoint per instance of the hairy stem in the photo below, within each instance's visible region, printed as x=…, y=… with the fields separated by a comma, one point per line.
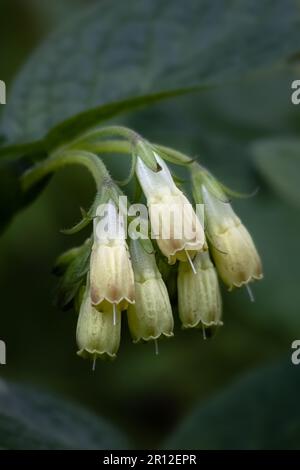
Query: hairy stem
x=104, y=132
x=124, y=147
x=173, y=156
x=63, y=158
x=107, y=146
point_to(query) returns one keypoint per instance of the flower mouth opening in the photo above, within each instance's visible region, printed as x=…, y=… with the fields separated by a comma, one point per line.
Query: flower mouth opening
x=107, y=302
x=251, y=279
x=201, y=323
x=146, y=339
x=94, y=354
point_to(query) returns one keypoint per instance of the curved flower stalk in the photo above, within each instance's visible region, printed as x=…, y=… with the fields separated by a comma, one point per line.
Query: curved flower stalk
x=111, y=274
x=231, y=245
x=98, y=333
x=199, y=296
x=174, y=223
x=151, y=315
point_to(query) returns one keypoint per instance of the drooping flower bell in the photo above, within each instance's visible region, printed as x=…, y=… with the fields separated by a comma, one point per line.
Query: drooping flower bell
x=111, y=274
x=199, y=296
x=174, y=223
x=231, y=245
x=98, y=332
x=151, y=315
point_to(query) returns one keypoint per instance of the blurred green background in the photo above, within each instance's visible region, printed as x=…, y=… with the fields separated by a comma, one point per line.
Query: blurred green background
x=144, y=395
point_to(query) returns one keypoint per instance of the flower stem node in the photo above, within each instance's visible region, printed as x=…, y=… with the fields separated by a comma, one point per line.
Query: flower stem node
x=98, y=333
x=151, y=315
x=174, y=223
x=199, y=297
x=144, y=151
x=111, y=274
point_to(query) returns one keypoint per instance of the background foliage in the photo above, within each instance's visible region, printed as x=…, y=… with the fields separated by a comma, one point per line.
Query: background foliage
x=242, y=57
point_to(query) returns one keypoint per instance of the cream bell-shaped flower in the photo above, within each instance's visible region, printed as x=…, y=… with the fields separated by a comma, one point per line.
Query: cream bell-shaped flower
x=174, y=223
x=111, y=274
x=98, y=332
x=151, y=315
x=231, y=245
x=199, y=296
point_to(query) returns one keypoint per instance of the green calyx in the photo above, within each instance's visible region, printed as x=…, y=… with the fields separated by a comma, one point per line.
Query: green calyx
x=202, y=177
x=72, y=268
x=142, y=149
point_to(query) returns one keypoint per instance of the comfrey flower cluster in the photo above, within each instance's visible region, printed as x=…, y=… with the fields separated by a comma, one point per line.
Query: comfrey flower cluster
x=128, y=265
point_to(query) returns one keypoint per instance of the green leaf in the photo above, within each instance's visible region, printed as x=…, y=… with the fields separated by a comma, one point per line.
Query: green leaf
x=63, y=261
x=114, y=57
x=12, y=198
x=14, y=161
x=35, y=149
x=278, y=161
x=34, y=420
x=73, y=277
x=258, y=412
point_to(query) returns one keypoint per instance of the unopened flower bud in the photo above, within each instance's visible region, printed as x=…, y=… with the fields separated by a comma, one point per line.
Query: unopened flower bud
x=111, y=275
x=65, y=259
x=231, y=245
x=98, y=332
x=199, y=297
x=151, y=315
x=174, y=222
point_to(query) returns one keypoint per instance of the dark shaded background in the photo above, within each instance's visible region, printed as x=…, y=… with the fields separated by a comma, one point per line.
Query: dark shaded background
x=144, y=394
